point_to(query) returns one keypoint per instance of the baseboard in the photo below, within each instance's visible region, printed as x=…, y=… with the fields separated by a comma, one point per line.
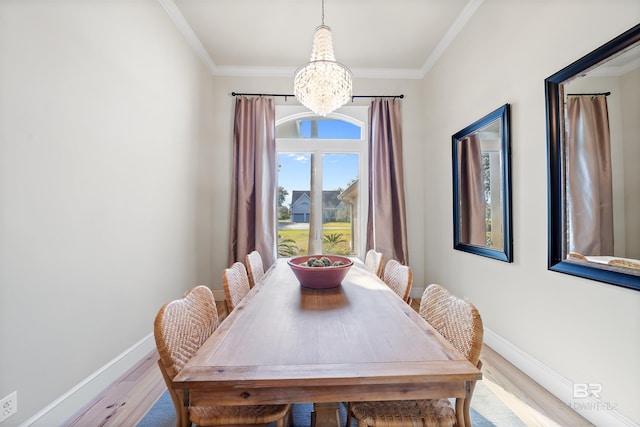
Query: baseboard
x=61, y=409
x=595, y=410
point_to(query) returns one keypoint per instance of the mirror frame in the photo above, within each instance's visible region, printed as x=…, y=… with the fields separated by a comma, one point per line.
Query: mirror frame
x=555, y=182
x=506, y=254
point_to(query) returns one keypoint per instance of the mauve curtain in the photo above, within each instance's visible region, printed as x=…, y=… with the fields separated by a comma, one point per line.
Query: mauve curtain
x=588, y=176
x=473, y=226
x=386, y=222
x=253, y=207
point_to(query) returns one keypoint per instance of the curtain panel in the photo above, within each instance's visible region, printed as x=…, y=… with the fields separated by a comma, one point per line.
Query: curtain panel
x=386, y=222
x=473, y=209
x=588, y=176
x=253, y=193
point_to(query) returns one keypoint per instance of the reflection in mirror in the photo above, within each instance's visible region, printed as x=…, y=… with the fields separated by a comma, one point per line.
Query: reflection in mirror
x=481, y=187
x=593, y=108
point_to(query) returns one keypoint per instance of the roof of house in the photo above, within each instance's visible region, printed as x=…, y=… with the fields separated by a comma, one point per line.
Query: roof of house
x=329, y=197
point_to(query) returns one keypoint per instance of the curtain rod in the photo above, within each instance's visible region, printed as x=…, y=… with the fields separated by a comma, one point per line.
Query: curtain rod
x=589, y=94
x=293, y=96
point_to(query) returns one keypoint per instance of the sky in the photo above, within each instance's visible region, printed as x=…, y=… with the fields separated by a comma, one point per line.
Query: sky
x=338, y=169
x=295, y=171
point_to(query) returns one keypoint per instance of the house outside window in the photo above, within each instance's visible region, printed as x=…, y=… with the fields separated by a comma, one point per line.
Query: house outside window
x=322, y=181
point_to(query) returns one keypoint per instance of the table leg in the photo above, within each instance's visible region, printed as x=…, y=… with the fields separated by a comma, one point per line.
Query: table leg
x=326, y=415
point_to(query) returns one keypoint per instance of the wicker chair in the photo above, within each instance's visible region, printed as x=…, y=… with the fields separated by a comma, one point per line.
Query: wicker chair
x=460, y=323
x=624, y=263
x=374, y=262
x=255, y=267
x=433, y=299
x=399, y=278
x=236, y=284
x=180, y=328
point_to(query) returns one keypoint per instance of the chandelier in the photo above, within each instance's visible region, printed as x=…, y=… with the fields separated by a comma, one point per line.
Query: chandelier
x=322, y=84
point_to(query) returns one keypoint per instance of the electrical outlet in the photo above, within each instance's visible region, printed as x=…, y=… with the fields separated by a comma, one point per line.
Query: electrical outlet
x=8, y=406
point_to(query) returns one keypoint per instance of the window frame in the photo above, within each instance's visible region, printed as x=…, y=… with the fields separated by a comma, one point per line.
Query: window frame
x=356, y=115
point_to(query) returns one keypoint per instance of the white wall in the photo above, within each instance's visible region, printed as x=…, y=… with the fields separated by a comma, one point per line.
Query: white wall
x=105, y=186
x=115, y=166
x=586, y=331
x=630, y=84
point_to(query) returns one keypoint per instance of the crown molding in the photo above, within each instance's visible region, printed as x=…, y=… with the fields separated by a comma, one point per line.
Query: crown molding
x=361, y=73
x=366, y=73
x=192, y=39
x=450, y=35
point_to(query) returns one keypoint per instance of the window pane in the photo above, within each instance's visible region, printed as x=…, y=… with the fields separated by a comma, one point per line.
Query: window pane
x=294, y=202
x=319, y=158
x=340, y=203
x=318, y=128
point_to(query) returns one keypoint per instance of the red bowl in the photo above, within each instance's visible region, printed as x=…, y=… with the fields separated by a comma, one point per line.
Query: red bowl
x=320, y=277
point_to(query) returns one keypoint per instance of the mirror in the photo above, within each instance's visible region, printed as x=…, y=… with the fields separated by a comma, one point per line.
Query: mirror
x=593, y=143
x=482, y=187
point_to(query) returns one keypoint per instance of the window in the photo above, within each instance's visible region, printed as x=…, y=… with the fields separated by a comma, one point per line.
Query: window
x=322, y=181
x=318, y=128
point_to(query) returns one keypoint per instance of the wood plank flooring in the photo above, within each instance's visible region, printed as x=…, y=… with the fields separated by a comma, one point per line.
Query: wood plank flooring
x=127, y=400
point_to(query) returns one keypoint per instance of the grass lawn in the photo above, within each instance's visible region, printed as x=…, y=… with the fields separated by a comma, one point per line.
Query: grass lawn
x=333, y=230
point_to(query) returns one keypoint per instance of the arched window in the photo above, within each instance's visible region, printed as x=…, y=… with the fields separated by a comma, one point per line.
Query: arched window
x=322, y=181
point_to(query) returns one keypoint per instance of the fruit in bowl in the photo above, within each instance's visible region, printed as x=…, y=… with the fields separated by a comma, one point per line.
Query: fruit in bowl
x=320, y=271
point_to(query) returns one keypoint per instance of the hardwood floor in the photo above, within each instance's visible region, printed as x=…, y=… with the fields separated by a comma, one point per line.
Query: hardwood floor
x=127, y=400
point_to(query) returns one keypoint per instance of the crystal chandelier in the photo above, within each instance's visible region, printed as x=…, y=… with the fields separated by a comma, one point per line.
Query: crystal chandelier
x=322, y=84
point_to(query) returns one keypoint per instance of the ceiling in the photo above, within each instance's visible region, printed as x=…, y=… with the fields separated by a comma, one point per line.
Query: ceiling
x=374, y=38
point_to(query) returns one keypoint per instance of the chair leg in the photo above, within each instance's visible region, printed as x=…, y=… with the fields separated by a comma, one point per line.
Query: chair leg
x=348, y=414
x=467, y=401
x=182, y=414
x=463, y=405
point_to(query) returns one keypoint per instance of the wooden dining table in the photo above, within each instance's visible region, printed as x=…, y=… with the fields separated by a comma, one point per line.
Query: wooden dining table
x=285, y=343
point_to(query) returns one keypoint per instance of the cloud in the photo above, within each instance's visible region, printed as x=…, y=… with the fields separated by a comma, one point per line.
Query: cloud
x=302, y=158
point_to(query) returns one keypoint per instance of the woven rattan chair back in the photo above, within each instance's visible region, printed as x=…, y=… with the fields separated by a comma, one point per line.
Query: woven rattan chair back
x=434, y=298
x=374, y=262
x=180, y=328
x=456, y=319
x=236, y=284
x=460, y=323
x=399, y=278
x=255, y=268
x=624, y=263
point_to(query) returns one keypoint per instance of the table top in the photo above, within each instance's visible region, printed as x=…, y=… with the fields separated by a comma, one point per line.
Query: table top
x=285, y=344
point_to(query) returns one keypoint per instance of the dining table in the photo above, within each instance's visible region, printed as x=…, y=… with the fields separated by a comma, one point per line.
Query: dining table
x=359, y=341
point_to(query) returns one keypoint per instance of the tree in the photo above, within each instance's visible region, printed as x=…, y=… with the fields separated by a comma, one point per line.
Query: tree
x=283, y=213
x=282, y=195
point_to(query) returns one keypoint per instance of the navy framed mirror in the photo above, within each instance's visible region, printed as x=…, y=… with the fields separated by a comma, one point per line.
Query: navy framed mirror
x=592, y=110
x=481, y=163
